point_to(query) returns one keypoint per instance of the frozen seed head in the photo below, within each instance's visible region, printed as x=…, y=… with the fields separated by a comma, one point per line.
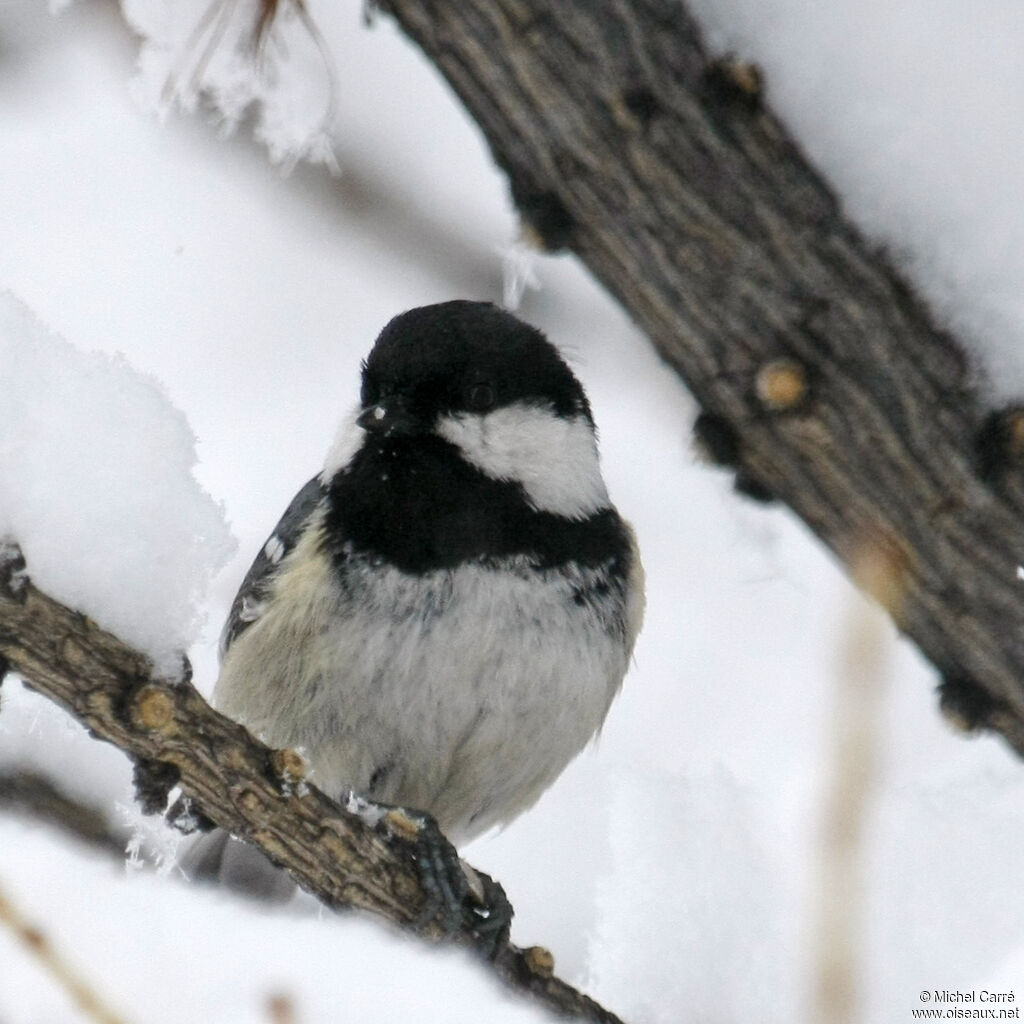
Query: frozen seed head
x=781, y=385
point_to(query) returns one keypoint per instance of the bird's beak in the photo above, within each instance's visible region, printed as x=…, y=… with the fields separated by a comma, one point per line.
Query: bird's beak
x=390, y=418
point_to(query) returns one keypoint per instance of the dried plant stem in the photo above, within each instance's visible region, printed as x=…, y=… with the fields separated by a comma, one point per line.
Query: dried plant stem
x=36, y=942
x=847, y=800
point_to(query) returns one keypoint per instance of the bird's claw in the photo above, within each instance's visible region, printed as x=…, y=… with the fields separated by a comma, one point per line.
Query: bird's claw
x=457, y=899
x=492, y=913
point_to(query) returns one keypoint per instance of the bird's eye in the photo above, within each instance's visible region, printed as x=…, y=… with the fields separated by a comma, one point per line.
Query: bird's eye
x=479, y=397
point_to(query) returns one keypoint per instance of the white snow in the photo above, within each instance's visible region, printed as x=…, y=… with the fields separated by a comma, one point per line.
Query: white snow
x=96, y=487
x=722, y=875
x=191, y=961
x=36, y=736
x=912, y=109
x=672, y=868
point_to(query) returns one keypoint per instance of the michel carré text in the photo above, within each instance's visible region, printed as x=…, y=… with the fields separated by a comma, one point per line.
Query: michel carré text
x=984, y=996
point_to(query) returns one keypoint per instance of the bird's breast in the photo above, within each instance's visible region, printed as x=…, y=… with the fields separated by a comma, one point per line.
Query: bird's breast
x=462, y=691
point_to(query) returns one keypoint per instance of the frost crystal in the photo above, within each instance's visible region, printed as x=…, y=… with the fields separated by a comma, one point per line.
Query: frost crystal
x=151, y=841
x=220, y=54
x=518, y=264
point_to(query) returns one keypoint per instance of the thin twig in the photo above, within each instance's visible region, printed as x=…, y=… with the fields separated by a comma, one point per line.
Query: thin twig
x=81, y=993
x=846, y=805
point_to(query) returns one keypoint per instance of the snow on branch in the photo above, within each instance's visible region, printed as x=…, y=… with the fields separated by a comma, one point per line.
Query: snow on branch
x=226, y=776
x=97, y=485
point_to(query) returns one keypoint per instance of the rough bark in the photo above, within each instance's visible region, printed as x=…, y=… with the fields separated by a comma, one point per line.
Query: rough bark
x=226, y=776
x=667, y=174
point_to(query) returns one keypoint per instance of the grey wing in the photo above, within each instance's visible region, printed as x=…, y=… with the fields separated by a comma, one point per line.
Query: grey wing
x=253, y=592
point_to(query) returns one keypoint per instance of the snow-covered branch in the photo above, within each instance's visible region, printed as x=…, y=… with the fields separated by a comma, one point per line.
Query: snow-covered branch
x=226, y=776
x=824, y=381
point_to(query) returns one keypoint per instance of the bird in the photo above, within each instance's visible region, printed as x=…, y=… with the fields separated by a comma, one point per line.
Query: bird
x=445, y=612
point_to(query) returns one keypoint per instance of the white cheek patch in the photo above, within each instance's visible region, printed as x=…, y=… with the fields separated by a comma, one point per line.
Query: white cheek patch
x=554, y=459
x=347, y=442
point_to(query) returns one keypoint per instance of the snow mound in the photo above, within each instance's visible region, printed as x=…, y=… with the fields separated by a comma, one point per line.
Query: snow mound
x=96, y=486
x=230, y=960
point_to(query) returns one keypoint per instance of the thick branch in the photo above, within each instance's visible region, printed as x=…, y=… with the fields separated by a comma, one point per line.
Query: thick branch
x=667, y=175
x=176, y=738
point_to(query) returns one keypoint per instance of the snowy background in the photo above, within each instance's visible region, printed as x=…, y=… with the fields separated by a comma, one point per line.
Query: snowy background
x=673, y=868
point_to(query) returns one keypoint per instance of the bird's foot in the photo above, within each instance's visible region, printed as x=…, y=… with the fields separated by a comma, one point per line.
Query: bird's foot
x=491, y=909
x=458, y=900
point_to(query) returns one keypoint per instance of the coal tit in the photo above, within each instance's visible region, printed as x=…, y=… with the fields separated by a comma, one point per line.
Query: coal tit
x=444, y=614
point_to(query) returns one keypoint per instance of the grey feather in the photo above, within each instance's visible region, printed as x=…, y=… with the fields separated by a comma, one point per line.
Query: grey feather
x=217, y=857
x=252, y=594
x=440, y=691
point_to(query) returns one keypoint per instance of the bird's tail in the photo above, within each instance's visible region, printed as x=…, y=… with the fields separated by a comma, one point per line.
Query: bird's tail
x=220, y=859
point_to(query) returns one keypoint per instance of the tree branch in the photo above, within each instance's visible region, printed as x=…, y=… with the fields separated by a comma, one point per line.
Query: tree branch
x=33, y=794
x=176, y=739
x=823, y=380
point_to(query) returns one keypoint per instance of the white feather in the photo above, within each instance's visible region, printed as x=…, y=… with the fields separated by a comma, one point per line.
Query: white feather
x=555, y=459
x=347, y=441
